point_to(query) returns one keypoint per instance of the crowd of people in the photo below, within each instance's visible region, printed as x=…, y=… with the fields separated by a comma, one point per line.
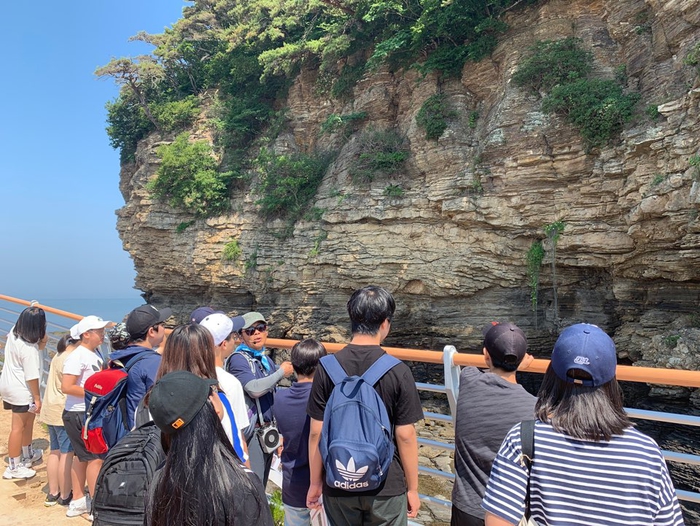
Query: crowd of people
x=212, y=389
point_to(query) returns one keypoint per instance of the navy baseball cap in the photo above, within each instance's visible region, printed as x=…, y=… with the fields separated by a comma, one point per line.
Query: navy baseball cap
x=198, y=314
x=586, y=347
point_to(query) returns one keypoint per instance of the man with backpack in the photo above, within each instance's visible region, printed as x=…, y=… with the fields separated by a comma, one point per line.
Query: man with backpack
x=146, y=328
x=357, y=490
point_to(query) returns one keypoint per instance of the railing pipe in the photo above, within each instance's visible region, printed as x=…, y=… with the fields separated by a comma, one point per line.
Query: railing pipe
x=627, y=373
x=436, y=444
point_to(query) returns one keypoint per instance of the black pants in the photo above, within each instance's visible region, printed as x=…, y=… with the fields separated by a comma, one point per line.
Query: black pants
x=459, y=518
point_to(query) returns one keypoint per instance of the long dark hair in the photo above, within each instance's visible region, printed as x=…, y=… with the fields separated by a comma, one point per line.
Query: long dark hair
x=31, y=325
x=189, y=348
x=588, y=413
x=202, y=481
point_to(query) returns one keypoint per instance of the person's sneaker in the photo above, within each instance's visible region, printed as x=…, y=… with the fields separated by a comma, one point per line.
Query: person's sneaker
x=77, y=508
x=36, y=457
x=20, y=472
x=52, y=500
x=66, y=501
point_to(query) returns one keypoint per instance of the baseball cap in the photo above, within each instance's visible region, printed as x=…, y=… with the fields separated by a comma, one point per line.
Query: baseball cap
x=176, y=399
x=88, y=323
x=198, y=314
x=144, y=317
x=586, y=347
x=506, y=344
x=219, y=325
x=249, y=318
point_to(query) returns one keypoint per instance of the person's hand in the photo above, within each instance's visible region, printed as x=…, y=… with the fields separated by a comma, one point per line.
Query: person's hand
x=526, y=361
x=413, y=503
x=288, y=369
x=313, y=496
x=37, y=406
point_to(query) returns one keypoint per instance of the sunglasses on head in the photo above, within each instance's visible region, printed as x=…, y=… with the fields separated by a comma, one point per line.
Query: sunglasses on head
x=262, y=327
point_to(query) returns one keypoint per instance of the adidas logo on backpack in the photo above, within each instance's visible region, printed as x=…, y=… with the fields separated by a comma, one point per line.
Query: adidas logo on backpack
x=356, y=428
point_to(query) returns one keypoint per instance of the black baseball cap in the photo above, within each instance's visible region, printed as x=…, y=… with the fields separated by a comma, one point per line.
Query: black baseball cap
x=506, y=344
x=177, y=398
x=144, y=317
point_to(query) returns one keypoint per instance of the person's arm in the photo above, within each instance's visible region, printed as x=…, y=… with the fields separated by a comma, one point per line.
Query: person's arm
x=260, y=386
x=407, y=443
x=525, y=363
x=34, y=389
x=315, y=465
x=69, y=386
x=494, y=520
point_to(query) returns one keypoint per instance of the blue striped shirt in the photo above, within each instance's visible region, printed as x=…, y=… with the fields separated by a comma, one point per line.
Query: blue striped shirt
x=624, y=482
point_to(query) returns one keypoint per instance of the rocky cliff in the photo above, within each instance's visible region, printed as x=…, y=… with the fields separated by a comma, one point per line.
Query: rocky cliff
x=452, y=248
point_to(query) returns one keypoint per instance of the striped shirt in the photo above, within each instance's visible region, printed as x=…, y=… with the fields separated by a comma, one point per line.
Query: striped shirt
x=624, y=482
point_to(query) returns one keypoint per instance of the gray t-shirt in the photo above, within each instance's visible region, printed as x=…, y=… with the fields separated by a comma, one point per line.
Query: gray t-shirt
x=487, y=408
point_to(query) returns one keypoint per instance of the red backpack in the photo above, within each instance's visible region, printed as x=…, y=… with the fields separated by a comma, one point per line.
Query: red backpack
x=105, y=406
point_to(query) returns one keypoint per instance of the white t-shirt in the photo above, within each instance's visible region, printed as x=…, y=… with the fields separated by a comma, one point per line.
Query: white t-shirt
x=22, y=363
x=234, y=392
x=82, y=363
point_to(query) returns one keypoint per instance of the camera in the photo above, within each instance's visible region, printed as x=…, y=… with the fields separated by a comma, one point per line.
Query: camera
x=269, y=438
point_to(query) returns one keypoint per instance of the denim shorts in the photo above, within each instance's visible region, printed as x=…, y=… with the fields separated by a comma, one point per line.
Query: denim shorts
x=58, y=437
x=296, y=516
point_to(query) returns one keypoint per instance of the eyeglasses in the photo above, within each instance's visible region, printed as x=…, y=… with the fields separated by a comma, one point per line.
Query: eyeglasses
x=262, y=327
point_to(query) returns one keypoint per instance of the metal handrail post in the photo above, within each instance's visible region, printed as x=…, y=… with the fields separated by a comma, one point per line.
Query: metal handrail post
x=451, y=377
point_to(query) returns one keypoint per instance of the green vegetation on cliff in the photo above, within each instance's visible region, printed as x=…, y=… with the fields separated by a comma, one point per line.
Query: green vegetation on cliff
x=245, y=54
x=561, y=69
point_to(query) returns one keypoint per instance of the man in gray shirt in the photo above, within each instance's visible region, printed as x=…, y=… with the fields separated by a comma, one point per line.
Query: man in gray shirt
x=488, y=405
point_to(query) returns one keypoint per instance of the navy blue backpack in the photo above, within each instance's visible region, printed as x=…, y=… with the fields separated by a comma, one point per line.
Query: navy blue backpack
x=357, y=444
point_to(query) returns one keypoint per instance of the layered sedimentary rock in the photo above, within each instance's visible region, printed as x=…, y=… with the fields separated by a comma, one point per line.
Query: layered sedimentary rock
x=453, y=247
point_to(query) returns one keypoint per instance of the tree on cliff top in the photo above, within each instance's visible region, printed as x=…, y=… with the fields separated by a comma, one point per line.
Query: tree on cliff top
x=132, y=73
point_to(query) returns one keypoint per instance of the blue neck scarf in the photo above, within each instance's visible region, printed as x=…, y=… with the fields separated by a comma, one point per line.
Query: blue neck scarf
x=256, y=354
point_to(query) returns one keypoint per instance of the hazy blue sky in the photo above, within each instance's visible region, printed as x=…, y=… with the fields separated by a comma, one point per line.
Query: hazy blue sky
x=59, y=175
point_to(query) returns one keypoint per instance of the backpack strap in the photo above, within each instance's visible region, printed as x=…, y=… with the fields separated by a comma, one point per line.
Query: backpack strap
x=332, y=366
x=131, y=361
x=527, y=445
x=380, y=368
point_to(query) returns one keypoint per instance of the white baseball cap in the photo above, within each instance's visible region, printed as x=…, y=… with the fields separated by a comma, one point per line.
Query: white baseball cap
x=219, y=325
x=88, y=323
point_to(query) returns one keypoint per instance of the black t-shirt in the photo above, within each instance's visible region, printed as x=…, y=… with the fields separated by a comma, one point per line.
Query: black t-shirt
x=397, y=389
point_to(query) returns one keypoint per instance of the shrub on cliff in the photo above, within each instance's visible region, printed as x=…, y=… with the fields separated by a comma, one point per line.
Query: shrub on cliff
x=598, y=108
x=432, y=116
x=553, y=62
x=382, y=152
x=188, y=178
x=288, y=183
x=127, y=125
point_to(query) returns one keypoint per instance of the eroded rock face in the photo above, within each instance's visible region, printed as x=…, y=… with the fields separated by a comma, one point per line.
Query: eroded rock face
x=454, y=254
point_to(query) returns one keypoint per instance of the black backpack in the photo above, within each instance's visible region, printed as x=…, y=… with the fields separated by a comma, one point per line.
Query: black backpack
x=122, y=484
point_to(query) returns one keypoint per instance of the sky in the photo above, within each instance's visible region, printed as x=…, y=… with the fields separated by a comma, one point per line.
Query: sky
x=59, y=176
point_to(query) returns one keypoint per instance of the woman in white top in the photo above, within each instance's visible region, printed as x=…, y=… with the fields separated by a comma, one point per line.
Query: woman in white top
x=19, y=388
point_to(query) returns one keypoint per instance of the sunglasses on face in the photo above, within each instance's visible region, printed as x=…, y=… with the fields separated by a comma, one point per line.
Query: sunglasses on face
x=262, y=327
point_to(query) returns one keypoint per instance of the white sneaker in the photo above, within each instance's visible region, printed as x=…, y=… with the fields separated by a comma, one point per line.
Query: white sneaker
x=36, y=457
x=20, y=472
x=77, y=508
